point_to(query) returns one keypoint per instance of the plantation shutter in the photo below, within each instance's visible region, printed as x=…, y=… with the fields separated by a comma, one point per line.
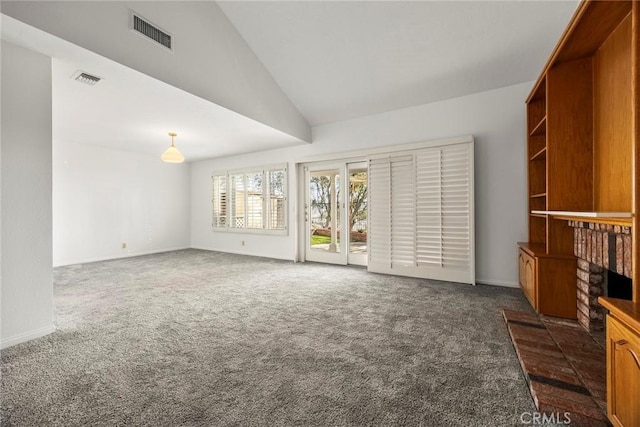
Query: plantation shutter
x=254, y=200
x=421, y=214
x=402, y=212
x=219, y=201
x=379, y=221
x=429, y=209
x=456, y=208
x=237, y=201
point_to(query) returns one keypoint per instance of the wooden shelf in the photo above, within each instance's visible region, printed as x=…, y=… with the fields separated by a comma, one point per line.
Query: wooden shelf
x=539, y=250
x=533, y=249
x=589, y=215
x=534, y=196
x=540, y=155
x=537, y=215
x=541, y=128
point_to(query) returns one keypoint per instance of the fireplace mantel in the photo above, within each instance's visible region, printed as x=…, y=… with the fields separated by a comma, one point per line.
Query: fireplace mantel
x=612, y=218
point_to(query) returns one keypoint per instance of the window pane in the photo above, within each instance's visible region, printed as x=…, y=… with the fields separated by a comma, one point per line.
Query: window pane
x=220, y=201
x=276, y=200
x=324, y=188
x=237, y=202
x=358, y=210
x=252, y=200
x=255, y=200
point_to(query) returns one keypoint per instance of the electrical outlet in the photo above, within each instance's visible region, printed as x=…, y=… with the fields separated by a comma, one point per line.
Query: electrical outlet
x=243, y=243
x=124, y=245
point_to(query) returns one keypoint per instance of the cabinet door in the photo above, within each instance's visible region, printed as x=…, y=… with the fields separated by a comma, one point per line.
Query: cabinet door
x=530, y=275
x=521, y=262
x=527, y=273
x=623, y=374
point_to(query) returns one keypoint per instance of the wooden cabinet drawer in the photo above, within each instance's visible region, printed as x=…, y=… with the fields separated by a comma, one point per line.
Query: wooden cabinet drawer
x=623, y=374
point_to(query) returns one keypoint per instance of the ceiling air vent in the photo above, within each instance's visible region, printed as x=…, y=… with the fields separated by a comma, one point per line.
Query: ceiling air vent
x=85, y=78
x=150, y=31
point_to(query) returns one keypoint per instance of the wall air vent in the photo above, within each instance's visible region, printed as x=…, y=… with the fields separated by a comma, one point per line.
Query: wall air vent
x=85, y=78
x=150, y=31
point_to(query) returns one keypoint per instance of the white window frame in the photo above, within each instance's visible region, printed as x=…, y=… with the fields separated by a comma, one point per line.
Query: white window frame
x=264, y=170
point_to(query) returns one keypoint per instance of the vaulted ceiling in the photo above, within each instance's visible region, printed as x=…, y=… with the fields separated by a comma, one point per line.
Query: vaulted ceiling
x=341, y=60
x=330, y=60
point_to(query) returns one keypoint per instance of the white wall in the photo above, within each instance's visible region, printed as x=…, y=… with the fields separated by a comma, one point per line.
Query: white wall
x=27, y=286
x=210, y=58
x=497, y=120
x=103, y=198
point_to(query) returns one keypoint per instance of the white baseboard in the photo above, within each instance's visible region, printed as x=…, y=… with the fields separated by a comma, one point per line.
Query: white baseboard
x=503, y=283
x=26, y=336
x=242, y=253
x=128, y=255
x=491, y=282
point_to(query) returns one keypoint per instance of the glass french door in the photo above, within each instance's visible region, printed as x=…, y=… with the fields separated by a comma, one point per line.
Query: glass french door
x=335, y=213
x=324, y=213
x=357, y=210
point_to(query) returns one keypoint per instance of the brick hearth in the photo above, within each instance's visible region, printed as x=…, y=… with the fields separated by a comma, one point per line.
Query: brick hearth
x=564, y=362
x=563, y=365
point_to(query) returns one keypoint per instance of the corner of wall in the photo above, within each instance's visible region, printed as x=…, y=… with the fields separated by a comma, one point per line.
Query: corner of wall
x=26, y=336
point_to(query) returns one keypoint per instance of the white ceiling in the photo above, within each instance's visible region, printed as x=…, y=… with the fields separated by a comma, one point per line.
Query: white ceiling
x=341, y=60
x=335, y=60
x=128, y=110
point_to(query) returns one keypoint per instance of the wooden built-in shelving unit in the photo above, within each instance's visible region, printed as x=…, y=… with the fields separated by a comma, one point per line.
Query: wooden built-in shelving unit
x=583, y=156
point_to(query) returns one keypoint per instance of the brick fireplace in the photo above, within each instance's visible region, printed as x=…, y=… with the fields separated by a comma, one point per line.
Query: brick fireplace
x=601, y=250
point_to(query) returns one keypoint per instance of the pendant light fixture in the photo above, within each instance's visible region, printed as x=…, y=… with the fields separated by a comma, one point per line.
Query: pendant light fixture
x=172, y=155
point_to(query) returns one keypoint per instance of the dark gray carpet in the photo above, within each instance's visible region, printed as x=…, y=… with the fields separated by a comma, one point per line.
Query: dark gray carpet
x=196, y=338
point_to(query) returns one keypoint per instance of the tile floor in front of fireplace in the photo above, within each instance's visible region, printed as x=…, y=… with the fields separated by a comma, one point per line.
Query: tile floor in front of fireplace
x=564, y=366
